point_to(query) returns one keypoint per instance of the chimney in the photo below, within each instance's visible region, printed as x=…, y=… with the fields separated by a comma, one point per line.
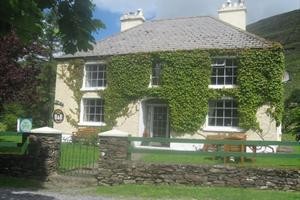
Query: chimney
x=234, y=13
x=132, y=19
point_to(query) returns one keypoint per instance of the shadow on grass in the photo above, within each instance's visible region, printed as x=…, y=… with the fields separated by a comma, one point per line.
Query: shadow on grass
x=13, y=182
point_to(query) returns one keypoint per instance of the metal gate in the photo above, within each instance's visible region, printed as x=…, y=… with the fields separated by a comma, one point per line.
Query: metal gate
x=79, y=156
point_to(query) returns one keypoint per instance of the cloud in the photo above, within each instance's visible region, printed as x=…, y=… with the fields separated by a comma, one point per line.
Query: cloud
x=178, y=8
x=124, y=6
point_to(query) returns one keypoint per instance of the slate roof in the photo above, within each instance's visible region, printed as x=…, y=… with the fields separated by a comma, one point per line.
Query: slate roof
x=176, y=34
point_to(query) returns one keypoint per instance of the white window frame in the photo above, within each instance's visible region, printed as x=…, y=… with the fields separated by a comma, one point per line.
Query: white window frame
x=151, y=76
x=208, y=127
x=223, y=86
x=84, y=87
x=87, y=123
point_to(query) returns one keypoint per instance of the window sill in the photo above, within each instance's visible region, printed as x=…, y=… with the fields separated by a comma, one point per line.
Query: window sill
x=92, y=89
x=222, y=86
x=91, y=124
x=153, y=86
x=223, y=129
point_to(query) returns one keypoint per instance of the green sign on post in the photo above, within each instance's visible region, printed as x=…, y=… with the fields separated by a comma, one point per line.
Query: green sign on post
x=24, y=125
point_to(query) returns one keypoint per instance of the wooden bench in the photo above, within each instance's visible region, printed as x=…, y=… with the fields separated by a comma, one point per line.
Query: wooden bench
x=84, y=133
x=226, y=147
x=212, y=147
x=235, y=148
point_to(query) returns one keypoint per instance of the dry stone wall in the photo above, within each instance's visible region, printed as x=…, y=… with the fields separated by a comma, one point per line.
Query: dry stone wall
x=40, y=161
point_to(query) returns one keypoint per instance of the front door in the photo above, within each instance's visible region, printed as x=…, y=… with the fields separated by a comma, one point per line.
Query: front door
x=160, y=121
x=157, y=120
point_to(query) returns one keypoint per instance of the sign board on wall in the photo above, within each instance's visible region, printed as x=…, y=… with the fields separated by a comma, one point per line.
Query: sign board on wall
x=24, y=125
x=58, y=116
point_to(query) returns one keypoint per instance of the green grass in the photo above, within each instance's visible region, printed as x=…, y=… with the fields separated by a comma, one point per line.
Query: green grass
x=264, y=162
x=197, y=159
x=75, y=155
x=8, y=138
x=8, y=143
x=12, y=182
x=192, y=192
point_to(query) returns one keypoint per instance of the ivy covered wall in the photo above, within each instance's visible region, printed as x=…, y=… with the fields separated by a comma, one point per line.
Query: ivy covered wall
x=185, y=80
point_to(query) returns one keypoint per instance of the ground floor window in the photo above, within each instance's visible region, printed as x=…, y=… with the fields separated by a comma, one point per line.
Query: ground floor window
x=93, y=110
x=223, y=113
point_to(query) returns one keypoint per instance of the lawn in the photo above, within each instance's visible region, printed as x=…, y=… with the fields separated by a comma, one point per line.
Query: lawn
x=8, y=143
x=11, y=138
x=192, y=192
x=292, y=163
x=76, y=155
x=272, y=162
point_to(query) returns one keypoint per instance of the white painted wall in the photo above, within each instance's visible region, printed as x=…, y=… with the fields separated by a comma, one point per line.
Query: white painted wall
x=64, y=95
x=134, y=125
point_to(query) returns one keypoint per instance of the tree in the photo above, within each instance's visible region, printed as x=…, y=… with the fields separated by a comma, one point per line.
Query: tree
x=291, y=117
x=17, y=80
x=74, y=19
x=18, y=83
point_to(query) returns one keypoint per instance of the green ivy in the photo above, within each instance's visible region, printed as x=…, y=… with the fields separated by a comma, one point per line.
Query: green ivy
x=184, y=86
x=127, y=80
x=185, y=81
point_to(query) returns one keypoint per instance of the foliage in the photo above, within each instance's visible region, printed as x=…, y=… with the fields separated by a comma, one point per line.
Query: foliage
x=185, y=80
x=184, y=85
x=3, y=127
x=291, y=117
x=285, y=28
x=11, y=112
x=41, y=111
x=17, y=81
x=127, y=80
x=74, y=18
x=259, y=79
x=28, y=77
x=72, y=75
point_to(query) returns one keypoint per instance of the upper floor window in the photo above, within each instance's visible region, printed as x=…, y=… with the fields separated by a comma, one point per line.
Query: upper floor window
x=223, y=113
x=156, y=74
x=95, y=76
x=224, y=72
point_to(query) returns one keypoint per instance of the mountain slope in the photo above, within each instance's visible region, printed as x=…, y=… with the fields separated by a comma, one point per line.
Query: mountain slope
x=284, y=28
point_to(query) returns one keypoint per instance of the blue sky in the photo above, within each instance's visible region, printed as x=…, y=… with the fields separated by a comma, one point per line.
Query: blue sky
x=110, y=11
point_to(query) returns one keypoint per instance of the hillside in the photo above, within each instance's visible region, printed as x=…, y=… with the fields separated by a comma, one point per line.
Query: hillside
x=284, y=28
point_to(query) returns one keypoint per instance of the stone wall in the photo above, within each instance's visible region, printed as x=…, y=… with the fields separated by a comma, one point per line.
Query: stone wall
x=40, y=161
x=115, y=168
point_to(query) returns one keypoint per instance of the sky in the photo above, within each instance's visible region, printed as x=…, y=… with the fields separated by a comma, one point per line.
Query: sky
x=110, y=11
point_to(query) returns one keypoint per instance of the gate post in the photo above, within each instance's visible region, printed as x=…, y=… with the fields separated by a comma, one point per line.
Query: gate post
x=113, y=155
x=113, y=146
x=45, y=148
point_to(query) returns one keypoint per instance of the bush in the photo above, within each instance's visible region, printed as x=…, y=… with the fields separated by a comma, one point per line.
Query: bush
x=11, y=112
x=3, y=127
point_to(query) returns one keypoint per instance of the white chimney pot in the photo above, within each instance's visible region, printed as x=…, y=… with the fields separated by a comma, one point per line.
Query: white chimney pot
x=234, y=14
x=132, y=19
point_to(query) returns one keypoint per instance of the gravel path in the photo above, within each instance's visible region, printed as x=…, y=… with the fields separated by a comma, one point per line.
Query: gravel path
x=16, y=194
